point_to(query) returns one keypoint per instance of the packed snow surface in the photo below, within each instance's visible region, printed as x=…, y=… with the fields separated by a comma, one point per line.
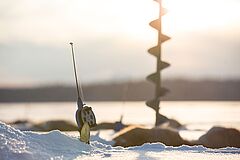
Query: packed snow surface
x=18, y=145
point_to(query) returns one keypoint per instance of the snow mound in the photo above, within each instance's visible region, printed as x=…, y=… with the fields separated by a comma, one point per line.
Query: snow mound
x=18, y=145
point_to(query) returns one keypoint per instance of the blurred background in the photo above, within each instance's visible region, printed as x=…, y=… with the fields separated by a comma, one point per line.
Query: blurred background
x=111, y=39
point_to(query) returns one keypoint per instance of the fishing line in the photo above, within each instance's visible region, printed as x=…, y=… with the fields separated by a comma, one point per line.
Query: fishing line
x=81, y=91
x=124, y=98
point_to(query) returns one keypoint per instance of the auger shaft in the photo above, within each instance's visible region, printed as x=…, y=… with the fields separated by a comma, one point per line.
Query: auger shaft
x=156, y=77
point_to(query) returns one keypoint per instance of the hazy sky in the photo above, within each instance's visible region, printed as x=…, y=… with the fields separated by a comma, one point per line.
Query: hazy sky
x=111, y=39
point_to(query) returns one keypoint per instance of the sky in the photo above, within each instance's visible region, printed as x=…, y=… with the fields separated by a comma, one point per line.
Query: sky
x=111, y=39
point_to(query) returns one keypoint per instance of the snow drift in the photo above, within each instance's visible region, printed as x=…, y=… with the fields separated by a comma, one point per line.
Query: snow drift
x=18, y=145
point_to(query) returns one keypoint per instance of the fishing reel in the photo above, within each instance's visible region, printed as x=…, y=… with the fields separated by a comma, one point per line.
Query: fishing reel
x=85, y=114
x=86, y=120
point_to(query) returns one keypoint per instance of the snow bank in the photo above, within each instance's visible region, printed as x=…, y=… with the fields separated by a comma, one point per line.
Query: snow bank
x=18, y=145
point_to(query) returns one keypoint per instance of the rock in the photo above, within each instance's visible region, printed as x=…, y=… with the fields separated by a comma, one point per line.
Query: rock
x=68, y=126
x=56, y=125
x=23, y=125
x=135, y=135
x=218, y=137
x=20, y=122
x=106, y=125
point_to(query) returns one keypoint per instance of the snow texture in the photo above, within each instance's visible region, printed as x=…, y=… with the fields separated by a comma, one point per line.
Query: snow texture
x=55, y=145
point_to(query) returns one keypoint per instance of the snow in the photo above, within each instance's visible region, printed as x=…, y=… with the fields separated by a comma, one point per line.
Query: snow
x=55, y=145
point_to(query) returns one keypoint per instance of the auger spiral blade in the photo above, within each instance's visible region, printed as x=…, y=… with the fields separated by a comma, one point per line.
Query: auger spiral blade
x=154, y=104
x=162, y=92
x=154, y=76
x=155, y=51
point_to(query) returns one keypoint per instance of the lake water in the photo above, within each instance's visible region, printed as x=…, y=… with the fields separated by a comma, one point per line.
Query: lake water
x=198, y=116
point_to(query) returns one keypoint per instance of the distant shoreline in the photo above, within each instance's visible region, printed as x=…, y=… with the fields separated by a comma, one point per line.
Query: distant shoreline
x=180, y=90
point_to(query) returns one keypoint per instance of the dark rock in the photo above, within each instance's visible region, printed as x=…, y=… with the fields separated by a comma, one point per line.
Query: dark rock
x=68, y=126
x=56, y=125
x=106, y=125
x=218, y=137
x=23, y=125
x=20, y=122
x=134, y=136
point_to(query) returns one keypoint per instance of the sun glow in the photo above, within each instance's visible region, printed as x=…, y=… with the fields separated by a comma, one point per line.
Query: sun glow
x=130, y=18
x=204, y=14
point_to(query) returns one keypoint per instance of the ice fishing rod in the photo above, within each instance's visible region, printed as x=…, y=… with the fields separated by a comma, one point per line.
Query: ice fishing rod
x=85, y=117
x=80, y=102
